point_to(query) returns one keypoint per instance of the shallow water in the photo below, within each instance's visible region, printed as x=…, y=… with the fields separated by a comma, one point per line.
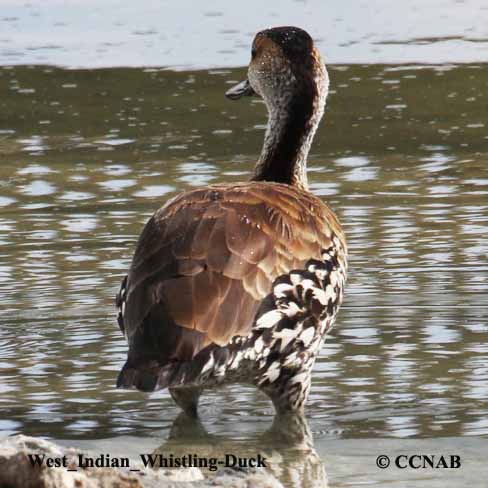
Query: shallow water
x=86, y=156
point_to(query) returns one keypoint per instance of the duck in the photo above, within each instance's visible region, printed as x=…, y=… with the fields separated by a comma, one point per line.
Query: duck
x=240, y=282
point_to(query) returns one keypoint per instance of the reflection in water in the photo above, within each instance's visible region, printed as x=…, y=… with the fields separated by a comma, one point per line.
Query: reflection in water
x=287, y=447
x=401, y=156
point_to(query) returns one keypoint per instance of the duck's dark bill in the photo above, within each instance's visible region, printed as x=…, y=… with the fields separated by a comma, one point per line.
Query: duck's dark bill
x=242, y=89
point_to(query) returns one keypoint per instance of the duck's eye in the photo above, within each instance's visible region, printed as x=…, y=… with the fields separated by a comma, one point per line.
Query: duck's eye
x=253, y=53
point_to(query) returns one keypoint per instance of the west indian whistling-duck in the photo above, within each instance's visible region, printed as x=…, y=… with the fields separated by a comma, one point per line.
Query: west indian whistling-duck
x=239, y=282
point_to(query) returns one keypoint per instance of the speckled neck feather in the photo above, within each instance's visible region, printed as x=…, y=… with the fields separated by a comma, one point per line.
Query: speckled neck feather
x=291, y=127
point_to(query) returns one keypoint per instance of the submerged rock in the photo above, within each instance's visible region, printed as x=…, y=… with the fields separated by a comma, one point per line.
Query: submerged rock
x=21, y=468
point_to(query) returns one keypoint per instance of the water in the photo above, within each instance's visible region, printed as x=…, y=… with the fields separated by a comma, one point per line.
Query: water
x=86, y=156
x=188, y=34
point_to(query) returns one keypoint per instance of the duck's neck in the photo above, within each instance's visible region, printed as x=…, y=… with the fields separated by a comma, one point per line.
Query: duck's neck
x=291, y=128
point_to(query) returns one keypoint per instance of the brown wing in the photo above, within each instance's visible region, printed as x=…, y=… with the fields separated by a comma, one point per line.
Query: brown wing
x=207, y=258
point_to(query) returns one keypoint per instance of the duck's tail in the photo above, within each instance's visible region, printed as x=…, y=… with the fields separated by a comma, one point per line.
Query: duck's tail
x=208, y=366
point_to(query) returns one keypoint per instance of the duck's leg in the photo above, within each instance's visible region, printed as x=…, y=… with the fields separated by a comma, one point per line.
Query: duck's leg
x=186, y=397
x=289, y=394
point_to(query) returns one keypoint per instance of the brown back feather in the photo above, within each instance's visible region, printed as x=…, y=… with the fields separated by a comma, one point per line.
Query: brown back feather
x=205, y=261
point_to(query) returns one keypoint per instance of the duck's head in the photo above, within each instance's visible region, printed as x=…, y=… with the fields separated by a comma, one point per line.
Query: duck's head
x=285, y=66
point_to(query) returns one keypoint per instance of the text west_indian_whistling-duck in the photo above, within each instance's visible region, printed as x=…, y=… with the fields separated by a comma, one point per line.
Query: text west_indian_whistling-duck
x=239, y=282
